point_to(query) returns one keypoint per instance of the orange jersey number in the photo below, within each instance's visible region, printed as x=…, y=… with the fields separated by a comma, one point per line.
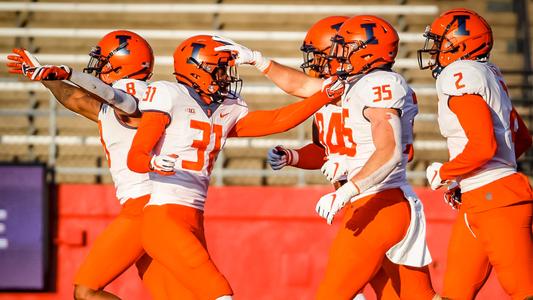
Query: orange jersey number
x=130, y=88
x=335, y=129
x=382, y=92
x=201, y=146
x=150, y=92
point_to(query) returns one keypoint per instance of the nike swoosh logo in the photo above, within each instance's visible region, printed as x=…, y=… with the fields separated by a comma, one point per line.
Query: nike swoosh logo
x=434, y=175
x=336, y=168
x=332, y=201
x=223, y=115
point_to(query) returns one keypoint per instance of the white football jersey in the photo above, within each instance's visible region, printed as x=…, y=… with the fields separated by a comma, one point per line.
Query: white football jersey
x=329, y=124
x=116, y=137
x=196, y=133
x=379, y=89
x=483, y=79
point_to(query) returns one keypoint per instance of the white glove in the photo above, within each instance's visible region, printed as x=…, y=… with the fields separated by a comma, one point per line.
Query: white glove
x=330, y=204
x=279, y=157
x=433, y=176
x=335, y=168
x=244, y=55
x=163, y=164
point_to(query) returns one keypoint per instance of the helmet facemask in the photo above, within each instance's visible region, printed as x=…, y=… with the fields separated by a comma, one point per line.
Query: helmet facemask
x=342, y=51
x=225, y=82
x=99, y=64
x=316, y=63
x=428, y=56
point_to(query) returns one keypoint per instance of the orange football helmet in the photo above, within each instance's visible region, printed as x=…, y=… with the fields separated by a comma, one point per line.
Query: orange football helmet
x=364, y=43
x=317, y=44
x=121, y=54
x=209, y=72
x=456, y=34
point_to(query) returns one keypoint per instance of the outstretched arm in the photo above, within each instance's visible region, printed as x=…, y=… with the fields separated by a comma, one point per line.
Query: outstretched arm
x=261, y=123
x=74, y=99
x=292, y=81
x=23, y=62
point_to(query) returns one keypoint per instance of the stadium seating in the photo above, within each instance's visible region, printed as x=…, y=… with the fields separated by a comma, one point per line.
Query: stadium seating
x=49, y=32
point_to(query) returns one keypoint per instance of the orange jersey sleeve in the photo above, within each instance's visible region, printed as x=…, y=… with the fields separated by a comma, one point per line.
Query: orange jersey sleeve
x=266, y=122
x=481, y=145
x=521, y=136
x=150, y=130
x=311, y=157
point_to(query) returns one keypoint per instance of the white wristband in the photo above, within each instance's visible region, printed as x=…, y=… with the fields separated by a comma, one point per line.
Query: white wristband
x=260, y=62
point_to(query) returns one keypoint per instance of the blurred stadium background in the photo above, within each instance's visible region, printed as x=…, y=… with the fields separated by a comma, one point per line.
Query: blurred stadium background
x=35, y=129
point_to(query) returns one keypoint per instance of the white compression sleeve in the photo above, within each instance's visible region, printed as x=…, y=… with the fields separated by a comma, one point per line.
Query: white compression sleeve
x=380, y=174
x=119, y=99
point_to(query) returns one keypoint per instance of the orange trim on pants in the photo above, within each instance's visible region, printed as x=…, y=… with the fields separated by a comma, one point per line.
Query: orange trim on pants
x=371, y=226
x=499, y=238
x=173, y=235
x=115, y=249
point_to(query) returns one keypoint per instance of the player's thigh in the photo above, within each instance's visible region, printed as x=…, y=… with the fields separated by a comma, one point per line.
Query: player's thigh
x=115, y=249
x=409, y=282
x=506, y=235
x=383, y=286
x=370, y=228
x=160, y=282
x=172, y=235
x=467, y=266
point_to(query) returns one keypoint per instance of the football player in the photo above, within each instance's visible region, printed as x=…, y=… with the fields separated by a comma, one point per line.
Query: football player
x=336, y=142
x=493, y=228
x=184, y=126
x=122, y=61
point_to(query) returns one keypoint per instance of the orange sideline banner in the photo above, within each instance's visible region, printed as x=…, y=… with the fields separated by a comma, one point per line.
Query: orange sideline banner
x=268, y=241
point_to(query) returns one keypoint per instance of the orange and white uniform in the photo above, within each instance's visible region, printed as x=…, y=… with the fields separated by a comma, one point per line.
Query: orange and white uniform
x=176, y=121
x=328, y=139
x=389, y=210
x=196, y=133
x=116, y=137
x=483, y=132
x=378, y=89
x=119, y=245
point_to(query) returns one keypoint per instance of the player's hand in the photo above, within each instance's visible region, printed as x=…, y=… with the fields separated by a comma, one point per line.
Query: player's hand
x=21, y=61
x=333, y=87
x=433, y=176
x=452, y=196
x=243, y=54
x=330, y=204
x=163, y=164
x=335, y=168
x=51, y=72
x=279, y=157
